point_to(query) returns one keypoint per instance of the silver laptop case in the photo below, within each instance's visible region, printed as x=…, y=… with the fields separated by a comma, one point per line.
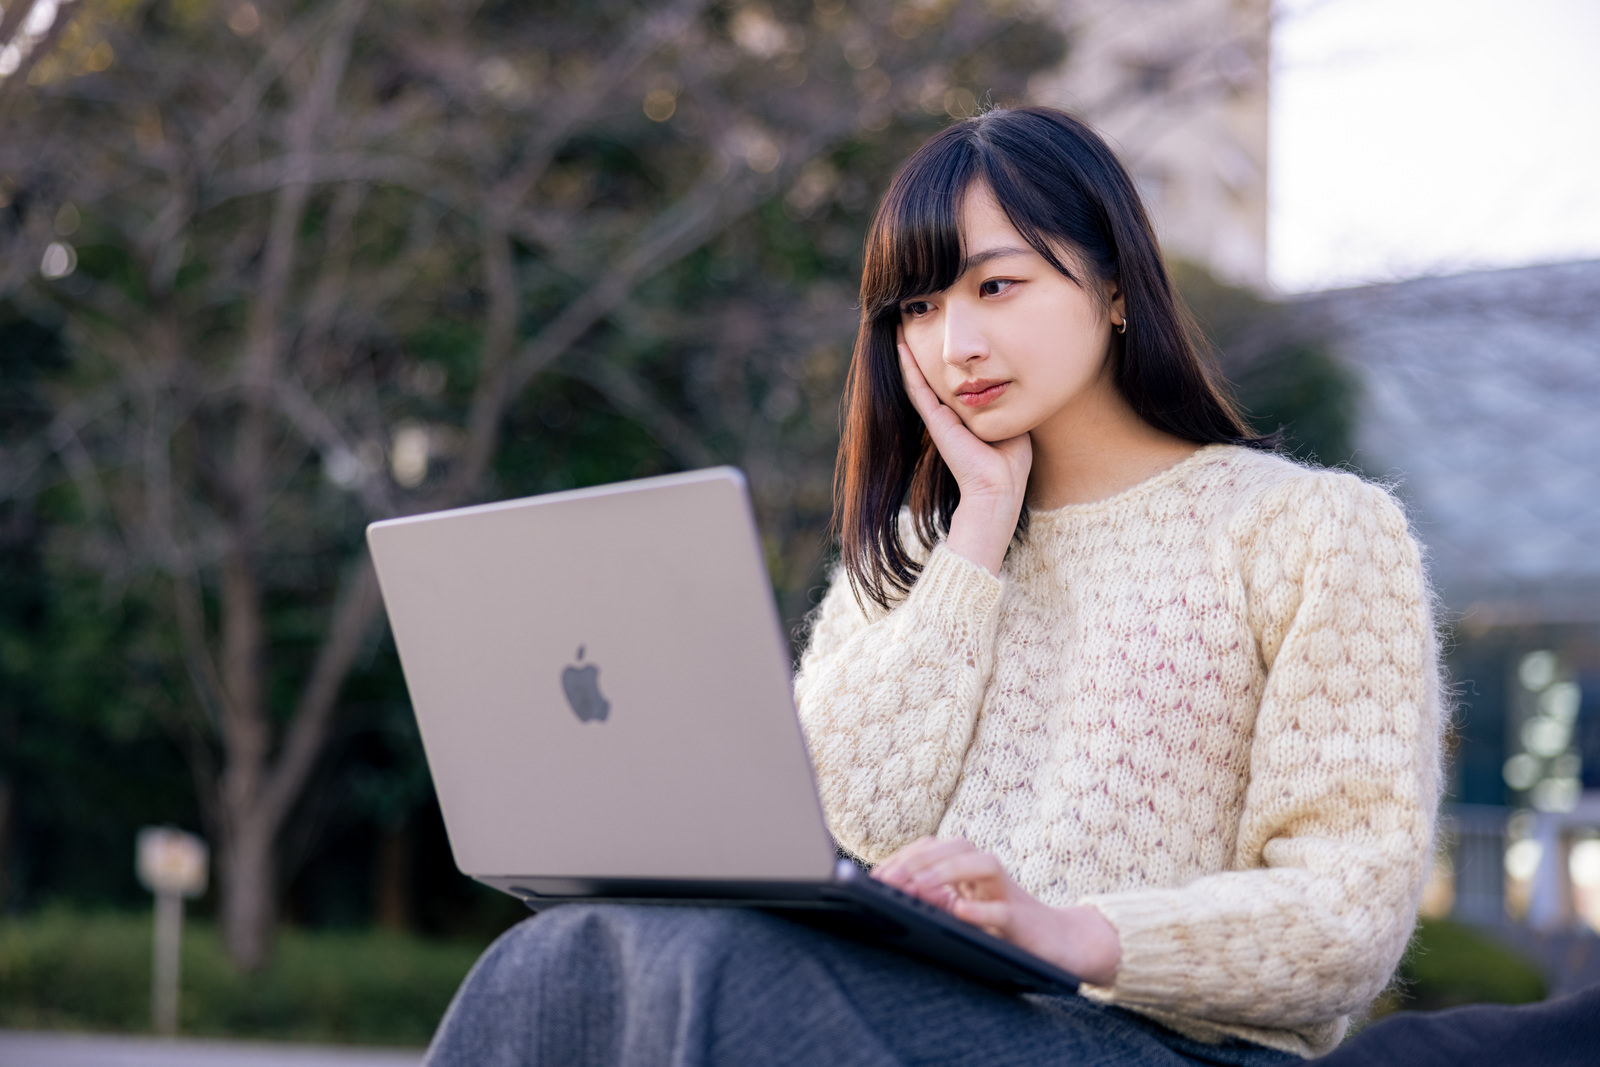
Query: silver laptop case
x=602, y=687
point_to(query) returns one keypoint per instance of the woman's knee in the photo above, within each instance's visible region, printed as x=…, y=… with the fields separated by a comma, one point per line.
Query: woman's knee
x=560, y=942
x=627, y=937
x=646, y=930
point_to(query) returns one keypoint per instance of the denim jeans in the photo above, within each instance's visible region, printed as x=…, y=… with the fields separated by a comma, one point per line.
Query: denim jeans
x=639, y=986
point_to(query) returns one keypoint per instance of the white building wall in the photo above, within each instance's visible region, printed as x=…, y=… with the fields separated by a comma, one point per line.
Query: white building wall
x=1180, y=87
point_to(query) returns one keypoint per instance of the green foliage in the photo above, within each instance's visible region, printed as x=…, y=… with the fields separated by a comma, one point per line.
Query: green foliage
x=61, y=969
x=1284, y=375
x=85, y=678
x=1303, y=388
x=1450, y=964
x=85, y=687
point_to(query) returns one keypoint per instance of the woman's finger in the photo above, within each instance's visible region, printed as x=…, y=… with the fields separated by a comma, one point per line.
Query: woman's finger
x=968, y=456
x=892, y=870
x=907, y=862
x=980, y=868
x=920, y=393
x=906, y=852
x=993, y=915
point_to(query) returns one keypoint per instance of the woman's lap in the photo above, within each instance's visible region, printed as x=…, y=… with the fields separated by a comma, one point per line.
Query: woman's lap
x=606, y=984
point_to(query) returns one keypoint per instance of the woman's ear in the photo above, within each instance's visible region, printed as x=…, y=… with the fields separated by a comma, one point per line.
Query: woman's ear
x=1119, y=314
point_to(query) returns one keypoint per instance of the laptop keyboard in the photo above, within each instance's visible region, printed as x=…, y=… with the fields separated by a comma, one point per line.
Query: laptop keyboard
x=846, y=870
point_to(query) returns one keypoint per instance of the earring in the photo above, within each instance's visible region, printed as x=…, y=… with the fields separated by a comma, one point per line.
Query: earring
x=1122, y=327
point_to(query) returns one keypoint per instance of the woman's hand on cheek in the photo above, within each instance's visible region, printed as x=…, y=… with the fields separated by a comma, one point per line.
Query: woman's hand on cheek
x=984, y=471
x=993, y=478
x=973, y=886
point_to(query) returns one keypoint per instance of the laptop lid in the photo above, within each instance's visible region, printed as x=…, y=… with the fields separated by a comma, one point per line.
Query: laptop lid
x=602, y=685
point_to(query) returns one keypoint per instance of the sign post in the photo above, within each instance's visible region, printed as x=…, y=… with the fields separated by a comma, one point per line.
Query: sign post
x=172, y=865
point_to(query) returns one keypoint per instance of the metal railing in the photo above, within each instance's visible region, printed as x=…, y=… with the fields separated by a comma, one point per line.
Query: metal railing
x=1477, y=839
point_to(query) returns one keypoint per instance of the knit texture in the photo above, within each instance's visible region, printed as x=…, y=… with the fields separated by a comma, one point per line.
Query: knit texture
x=1208, y=706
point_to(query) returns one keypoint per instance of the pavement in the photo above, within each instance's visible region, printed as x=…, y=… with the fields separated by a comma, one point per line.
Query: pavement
x=23, y=1048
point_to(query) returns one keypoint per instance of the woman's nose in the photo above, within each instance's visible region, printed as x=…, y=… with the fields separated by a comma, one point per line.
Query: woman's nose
x=964, y=341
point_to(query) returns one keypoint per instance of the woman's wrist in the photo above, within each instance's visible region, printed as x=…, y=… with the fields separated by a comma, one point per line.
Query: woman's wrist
x=1099, y=947
x=981, y=531
x=1077, y=937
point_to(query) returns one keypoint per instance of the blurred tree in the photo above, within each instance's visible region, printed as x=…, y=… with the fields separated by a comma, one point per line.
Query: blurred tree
x=308, y=259
x=1284, y=372
x=320, y=263
x=83, y=689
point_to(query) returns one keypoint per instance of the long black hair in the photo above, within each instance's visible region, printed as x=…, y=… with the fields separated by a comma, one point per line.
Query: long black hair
x=1060, y=186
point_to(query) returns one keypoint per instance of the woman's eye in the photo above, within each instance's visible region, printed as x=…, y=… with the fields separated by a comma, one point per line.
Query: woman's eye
x=915, y=308
x=995, y=286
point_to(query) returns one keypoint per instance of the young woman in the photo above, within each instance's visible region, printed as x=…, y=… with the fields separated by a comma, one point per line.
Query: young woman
x=1099, y=673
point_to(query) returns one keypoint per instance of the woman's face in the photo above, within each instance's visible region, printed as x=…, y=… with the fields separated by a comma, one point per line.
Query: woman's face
x=1012, y=345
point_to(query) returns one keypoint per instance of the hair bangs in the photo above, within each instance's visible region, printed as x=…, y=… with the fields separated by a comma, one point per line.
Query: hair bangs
x=1031, y=215
x=1046, y=200
x=916, y=245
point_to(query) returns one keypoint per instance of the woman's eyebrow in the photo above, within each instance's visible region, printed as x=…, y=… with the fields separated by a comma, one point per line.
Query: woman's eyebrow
x=978, y=259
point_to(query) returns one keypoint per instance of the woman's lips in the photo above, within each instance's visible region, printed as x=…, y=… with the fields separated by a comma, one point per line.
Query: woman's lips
x=976, y=397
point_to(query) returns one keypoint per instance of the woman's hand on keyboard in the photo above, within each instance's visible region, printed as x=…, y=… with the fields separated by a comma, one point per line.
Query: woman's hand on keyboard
x=972, y=885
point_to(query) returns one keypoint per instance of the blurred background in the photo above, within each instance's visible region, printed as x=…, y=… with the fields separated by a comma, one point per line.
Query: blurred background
x=272, y=271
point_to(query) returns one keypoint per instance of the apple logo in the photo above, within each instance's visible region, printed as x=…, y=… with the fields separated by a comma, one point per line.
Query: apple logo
x=582, y=686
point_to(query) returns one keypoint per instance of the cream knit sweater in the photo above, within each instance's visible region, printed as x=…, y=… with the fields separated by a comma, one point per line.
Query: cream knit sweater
x=1208, y=706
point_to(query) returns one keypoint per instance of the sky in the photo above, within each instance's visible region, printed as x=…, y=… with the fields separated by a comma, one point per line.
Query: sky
x=1416, y=137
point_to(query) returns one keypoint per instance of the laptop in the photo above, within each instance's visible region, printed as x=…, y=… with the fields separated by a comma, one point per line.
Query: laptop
x=603, y=691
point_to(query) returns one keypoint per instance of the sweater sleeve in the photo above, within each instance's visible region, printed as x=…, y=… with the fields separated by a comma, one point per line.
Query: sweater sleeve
x=888, y=703
x=1336, y=833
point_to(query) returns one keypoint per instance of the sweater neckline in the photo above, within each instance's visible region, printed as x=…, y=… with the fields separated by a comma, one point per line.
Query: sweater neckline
x=1199, y=457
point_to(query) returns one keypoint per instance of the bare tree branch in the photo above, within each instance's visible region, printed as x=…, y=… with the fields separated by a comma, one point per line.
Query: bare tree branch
x=353, y=618
x=13, y=17
x=629, y=396
x=41, y=48
x=652, y=32
x=319, y=430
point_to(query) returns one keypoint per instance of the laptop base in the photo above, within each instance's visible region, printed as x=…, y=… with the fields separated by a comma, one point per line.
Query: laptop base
x=853, y=905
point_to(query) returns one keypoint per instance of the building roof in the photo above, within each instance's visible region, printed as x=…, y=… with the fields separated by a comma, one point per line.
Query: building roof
x=1482, y=400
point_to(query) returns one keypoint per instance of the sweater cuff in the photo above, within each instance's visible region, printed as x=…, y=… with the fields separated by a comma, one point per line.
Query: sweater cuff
x=952, y=588
x=1155, y=966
